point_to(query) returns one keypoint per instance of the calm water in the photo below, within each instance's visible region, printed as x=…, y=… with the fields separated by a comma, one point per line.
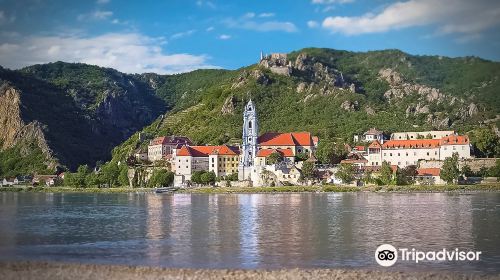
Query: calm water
x=248, y=230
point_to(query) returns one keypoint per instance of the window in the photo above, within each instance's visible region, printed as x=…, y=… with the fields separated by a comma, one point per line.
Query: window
x=463, y=147
x=399, y=163
x=427, y=153
x=399, y=154
x=454, y=148
x=414, y=153
x=390, y=154
x=213, y=159
x=384, y=154
x=435, y=153
x=250, y=124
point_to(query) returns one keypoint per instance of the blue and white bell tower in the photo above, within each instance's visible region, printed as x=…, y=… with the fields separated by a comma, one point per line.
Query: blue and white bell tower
x=249, y=141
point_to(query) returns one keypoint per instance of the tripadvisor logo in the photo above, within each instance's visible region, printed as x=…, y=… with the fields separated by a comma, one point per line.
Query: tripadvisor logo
x=387, y=255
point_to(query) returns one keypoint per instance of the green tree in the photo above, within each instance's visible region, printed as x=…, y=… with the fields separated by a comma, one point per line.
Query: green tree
x=77, y=179
x=386, y=173
x=495, y=170
x=329, y=152
x=161, y=178
x=449, y=170
x=232, y=177
x=309, y=170
x=301, y=157
x=93, y=180
x=196, y=177
x=274, y=158
x=467, y=171
x=406, y=176
x=123, y=176
x=208, y=178
x=109, y=174
x=487, y=142
x=345, y=173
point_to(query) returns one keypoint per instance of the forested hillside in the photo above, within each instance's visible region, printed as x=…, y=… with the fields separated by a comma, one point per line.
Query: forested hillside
x=70, y=114
x=335, y=94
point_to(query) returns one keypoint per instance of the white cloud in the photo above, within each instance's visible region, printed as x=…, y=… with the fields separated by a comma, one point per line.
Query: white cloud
x=183, y=34
x=6, y=19
x=202, y=3
x=210, y=28
x=452, y=16
x=248, y=22
x=266, y=15
x=96, y=15
x=249, y=15
x=224, y=37
x=312, y=24
x=126, y=52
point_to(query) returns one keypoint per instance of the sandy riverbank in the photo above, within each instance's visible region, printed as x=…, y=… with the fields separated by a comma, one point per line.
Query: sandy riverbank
x=53, y=271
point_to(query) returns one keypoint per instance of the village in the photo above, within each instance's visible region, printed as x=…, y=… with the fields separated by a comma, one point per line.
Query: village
x=289, y=158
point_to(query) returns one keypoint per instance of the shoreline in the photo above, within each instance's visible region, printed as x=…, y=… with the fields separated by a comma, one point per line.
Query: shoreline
x=283, y=189
x=61, y=270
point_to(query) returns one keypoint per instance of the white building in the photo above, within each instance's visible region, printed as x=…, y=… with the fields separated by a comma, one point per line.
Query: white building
x=435, y=134
x=408, y=152
x=222, y=160
x=371, y=135
x=162, y=146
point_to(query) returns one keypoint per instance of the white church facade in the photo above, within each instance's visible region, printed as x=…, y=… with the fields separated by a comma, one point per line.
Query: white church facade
x=255, y=150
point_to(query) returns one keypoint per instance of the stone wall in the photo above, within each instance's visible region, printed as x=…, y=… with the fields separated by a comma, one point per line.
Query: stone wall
x=475, y=164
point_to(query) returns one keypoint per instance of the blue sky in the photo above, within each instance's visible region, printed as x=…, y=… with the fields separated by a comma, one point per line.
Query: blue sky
x=178, y=36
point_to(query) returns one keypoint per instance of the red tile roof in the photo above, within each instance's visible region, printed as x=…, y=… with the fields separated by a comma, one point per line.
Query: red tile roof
x=205, y=151
x=375, y=145
x=412, y=144
x=268, y=152
x=286, y=139
x=426, y=143
x=376, y=168
x=428, y=171
x=455, y=140
x=359, y=148
x=171, y=140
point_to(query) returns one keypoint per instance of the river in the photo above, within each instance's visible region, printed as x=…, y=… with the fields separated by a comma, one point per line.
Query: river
x=250, y=231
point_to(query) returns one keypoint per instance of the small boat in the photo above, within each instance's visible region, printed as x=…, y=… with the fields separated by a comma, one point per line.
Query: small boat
x=165, y=190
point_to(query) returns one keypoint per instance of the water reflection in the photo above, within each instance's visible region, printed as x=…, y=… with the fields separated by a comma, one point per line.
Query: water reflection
x=248, y=230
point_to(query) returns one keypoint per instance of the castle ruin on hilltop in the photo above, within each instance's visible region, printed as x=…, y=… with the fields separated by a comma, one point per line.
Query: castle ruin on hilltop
x=276, y=62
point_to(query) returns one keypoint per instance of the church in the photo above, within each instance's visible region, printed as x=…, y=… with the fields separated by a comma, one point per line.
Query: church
x=255, y=148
